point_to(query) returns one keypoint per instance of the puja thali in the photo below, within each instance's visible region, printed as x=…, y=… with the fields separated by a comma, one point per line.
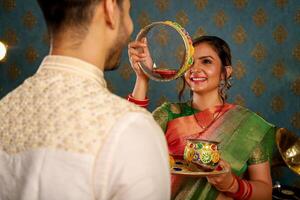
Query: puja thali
x=180, y=167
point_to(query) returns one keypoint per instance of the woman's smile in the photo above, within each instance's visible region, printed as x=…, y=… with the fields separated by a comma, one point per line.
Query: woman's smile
x=196, y=78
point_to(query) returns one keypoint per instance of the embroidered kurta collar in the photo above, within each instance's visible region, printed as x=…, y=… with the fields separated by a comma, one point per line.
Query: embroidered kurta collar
x=74, y=65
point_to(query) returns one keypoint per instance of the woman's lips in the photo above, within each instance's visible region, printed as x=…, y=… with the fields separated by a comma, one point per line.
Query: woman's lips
x=198, y=79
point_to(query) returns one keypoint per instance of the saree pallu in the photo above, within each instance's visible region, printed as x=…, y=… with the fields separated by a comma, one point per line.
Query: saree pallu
x=238, y=131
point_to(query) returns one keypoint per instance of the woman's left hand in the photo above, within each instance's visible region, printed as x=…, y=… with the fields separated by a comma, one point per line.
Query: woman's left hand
x=222, y=182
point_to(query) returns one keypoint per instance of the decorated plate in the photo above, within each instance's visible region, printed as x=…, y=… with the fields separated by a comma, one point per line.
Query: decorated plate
x=180, y=168
x=170, y=66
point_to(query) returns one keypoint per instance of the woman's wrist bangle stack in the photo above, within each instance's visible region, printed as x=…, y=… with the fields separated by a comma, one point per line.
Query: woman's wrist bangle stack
x=142, y=103
x=243, y=193
x=248, y=191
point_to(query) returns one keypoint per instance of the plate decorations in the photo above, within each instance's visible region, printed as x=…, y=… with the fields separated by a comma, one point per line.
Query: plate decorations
x=202, y=153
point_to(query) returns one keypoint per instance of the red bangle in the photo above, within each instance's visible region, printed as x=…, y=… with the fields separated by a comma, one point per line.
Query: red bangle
x=143, y=103
x=240, y=193
x=249, y=191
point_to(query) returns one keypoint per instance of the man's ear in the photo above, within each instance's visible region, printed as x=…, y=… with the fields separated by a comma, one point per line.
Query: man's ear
x=228, y=70
x=111, y=12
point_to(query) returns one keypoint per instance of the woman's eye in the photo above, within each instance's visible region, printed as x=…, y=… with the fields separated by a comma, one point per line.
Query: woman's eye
x=206, y=61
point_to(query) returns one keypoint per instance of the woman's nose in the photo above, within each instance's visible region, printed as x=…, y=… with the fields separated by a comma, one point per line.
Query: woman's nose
x=196, y=68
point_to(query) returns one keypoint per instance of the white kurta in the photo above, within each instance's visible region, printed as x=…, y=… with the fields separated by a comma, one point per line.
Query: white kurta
x=63, y=135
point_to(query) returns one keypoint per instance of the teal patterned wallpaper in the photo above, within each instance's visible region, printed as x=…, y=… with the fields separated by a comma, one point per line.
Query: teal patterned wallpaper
x=263, y=36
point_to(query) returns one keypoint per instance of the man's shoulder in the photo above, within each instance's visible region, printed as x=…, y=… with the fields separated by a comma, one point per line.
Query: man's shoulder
x=120, y=104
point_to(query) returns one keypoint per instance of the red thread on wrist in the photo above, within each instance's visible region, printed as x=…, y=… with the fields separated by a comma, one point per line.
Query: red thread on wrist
x=142, y=103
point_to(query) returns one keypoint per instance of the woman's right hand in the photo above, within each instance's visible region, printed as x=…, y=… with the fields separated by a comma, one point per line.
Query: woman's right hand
x=138, y=52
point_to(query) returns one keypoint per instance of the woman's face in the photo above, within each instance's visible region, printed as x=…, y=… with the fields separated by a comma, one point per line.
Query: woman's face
x=204, y=75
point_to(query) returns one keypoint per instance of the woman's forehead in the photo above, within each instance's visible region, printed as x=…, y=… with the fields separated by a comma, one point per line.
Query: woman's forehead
x=205, y=50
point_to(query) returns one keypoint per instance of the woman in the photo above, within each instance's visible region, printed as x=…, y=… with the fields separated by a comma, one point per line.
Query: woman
x=246, y=140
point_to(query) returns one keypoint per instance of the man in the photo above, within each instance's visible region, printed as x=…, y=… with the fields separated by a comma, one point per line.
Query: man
x=63, y=135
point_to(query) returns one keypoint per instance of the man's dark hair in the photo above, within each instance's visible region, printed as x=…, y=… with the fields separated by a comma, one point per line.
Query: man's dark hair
x=73, y=13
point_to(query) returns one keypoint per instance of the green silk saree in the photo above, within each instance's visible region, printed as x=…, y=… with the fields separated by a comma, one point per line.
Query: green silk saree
x=245, y=139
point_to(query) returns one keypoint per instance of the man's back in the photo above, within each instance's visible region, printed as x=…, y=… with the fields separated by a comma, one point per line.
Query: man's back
x=61, y=132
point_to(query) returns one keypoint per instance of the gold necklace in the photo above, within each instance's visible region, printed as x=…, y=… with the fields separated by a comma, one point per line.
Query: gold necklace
x=215, y=117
